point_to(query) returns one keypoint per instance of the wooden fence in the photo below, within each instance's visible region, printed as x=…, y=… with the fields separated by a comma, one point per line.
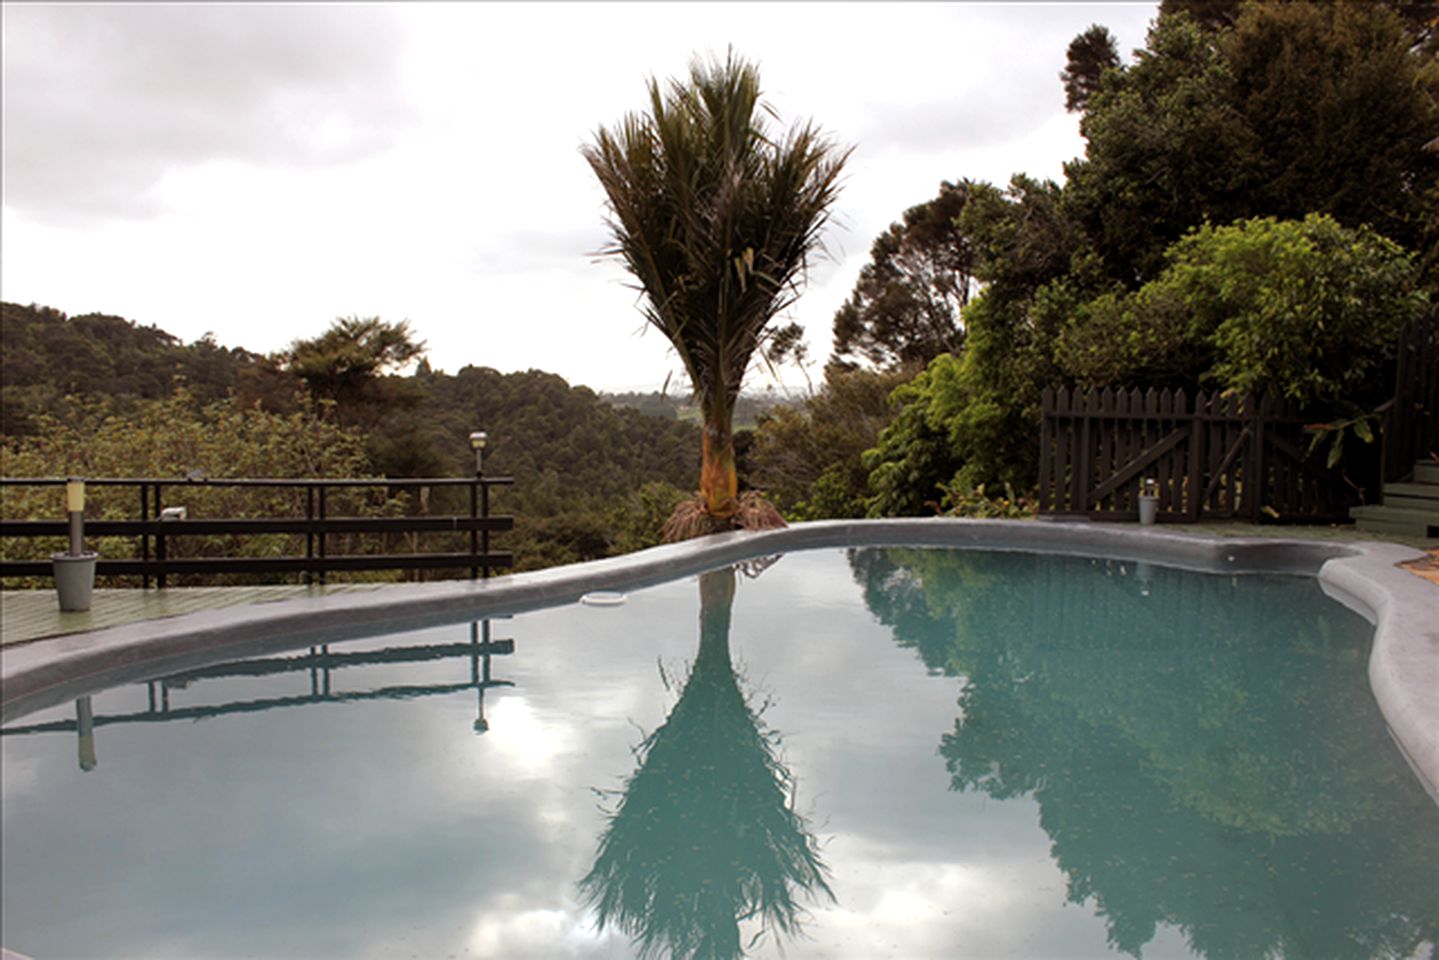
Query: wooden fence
x=1223, y=456
x=1411, y=419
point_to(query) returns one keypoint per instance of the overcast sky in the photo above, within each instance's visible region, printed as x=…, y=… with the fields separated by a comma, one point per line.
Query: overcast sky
x=256, y=171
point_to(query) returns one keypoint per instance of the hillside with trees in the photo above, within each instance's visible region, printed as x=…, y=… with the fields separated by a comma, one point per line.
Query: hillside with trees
x=101, y=395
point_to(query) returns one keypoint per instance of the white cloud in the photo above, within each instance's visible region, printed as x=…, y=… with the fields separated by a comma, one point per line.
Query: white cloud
x=258, y=170
x=102, y=101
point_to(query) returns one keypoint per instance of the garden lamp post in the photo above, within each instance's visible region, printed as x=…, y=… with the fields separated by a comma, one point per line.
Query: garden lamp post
x=477, y=443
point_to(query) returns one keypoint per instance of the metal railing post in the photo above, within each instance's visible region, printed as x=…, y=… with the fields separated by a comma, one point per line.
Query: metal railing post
x=145, y=535
x=159, y=546
x=475, y=485
x=485, y=534
x=322, y=531
x=309, y=575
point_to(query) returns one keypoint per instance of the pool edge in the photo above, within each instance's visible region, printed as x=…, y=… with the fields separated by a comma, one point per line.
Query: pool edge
x=1403, y=663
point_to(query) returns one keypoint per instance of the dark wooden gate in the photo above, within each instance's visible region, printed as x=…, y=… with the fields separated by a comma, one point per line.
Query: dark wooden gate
x=1411, y=419
x=1232, y=456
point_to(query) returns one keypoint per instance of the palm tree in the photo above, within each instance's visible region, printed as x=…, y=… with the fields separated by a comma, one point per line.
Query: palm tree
x=716, y=218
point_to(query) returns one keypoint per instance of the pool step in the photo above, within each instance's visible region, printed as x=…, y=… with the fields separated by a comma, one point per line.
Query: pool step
x=1409, y=509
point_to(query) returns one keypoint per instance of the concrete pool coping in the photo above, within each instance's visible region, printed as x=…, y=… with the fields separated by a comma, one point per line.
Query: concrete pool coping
x=1364, y=575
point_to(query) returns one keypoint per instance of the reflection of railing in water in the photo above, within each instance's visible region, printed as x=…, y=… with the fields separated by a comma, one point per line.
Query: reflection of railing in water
x=320, y=662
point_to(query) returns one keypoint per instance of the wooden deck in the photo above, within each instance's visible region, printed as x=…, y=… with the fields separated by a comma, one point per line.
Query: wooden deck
x=34, y=614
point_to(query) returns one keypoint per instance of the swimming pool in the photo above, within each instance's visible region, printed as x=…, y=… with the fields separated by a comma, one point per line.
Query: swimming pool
x=943, y=753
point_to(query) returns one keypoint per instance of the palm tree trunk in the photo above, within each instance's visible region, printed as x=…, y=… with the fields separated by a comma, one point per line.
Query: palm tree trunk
x=719, y=484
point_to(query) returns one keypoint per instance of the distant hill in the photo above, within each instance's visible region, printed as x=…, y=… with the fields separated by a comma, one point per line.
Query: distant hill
x=671, y=406
x=46, y=355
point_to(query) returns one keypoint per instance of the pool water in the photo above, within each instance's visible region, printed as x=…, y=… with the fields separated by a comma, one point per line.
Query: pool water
x=877, y=752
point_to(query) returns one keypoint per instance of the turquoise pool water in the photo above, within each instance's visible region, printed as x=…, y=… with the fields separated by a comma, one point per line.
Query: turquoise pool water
x=865, y=753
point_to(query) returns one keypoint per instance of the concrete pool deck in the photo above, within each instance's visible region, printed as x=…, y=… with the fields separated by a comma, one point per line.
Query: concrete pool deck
x=1365, y=575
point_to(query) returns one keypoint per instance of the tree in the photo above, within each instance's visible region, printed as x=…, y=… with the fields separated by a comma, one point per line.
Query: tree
x=1279, y=109
x=915, y=454
x=346, y=362
x=1303, y=308
x=906, y=305
x=1090, y=54
x=1168, y=147
x=807, y=457
x=716, y=218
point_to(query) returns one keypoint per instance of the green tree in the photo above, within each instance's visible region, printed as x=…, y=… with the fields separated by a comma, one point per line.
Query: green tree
x=915, y=454
x=1303, y=308
x=1285, y=110
x=346, y=364
x=1090, y=55
x=1167, y=147
x=716, y=217
x=906, y=305
x=807, y=456
x=176, y=437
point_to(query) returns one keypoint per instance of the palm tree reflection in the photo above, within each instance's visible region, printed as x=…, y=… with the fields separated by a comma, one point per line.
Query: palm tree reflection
x=705, y=835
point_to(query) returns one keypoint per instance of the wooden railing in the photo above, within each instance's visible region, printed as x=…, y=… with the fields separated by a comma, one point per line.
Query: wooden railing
x=154, y=535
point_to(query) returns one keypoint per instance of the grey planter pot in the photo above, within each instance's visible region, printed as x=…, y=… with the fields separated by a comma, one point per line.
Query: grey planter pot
x=1148, y=509
x=74, y=579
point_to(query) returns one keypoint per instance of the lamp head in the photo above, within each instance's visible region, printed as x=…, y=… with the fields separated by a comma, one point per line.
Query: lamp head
x=478, y=439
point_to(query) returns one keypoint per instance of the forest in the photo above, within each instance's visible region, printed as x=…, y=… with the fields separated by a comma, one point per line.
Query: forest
x=1256, y=209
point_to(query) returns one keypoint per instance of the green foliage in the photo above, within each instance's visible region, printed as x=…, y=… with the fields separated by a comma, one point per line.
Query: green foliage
x=1168, y=146
x=1295, y=108
x=915, y=453
x=961, y=500
x=175, y=437
x=1090, y=54
x=637, y=518
x=577, y=461
x=352, y=352
x=347, y=365
x=1306, y=309
x=1361, y=425
x=1022, y=236
x=807, y=456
